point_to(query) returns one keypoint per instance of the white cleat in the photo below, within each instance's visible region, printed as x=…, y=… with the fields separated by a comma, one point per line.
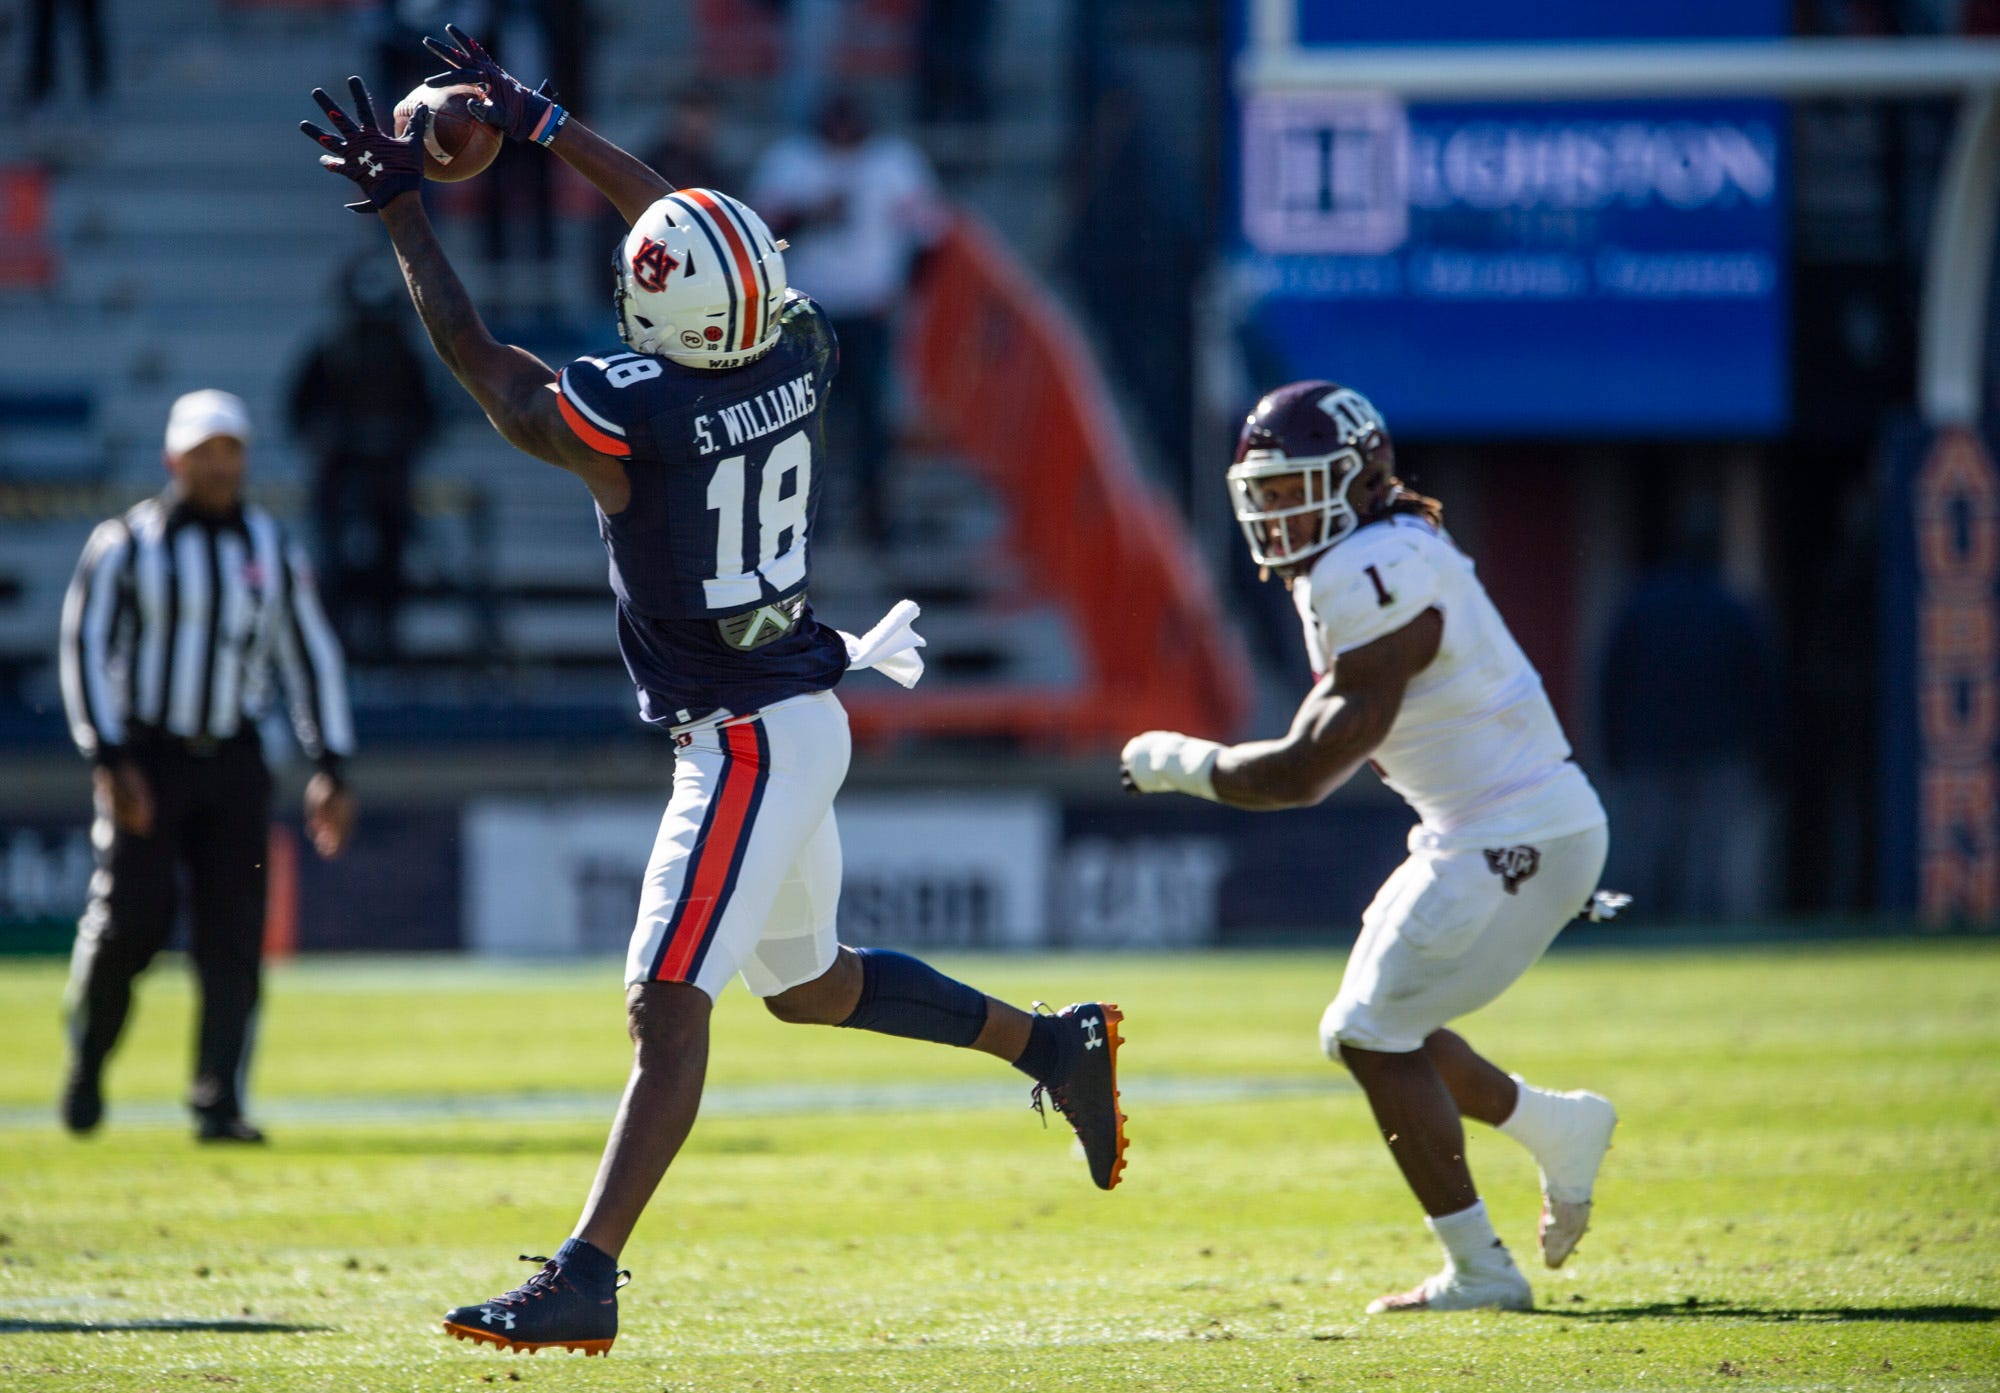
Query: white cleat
x=1452, y=1290
x=1569, y=1172
x=1563, y=1226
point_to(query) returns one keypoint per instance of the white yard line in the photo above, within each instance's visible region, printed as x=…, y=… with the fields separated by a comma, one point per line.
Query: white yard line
x=753, y=1100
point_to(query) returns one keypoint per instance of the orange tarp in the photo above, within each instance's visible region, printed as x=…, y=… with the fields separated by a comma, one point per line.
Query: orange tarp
x=1008, y=385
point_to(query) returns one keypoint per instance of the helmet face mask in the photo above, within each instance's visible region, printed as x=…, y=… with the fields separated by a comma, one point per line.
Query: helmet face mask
x=1299, y=459
x=1268, y=521
x=699, y=281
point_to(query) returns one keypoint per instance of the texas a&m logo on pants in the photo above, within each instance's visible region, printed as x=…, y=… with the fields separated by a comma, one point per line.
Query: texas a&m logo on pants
x=1513, y=864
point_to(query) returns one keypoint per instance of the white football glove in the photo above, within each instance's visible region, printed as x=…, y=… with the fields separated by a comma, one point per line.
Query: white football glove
x=1165, y=761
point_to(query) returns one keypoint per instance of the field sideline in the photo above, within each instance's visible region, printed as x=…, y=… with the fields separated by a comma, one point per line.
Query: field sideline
x=1805, y=1193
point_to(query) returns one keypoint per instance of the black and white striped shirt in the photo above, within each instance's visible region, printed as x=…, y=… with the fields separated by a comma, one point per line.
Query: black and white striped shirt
x=174, y=623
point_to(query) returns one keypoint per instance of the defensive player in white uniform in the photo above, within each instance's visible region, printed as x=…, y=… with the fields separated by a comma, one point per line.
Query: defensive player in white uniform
x=1417, y=673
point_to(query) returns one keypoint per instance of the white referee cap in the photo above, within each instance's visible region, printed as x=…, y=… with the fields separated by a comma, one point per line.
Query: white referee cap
x=202, y=415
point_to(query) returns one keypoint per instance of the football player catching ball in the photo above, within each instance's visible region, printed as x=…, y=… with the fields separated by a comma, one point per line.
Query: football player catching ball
x=1417, y=674
x=702, y=442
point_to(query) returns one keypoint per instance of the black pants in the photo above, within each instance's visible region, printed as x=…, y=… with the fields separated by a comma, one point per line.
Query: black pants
x=521, y=198
x=952, y=40
x=361, y=506
x=857, y=418
x=211, y=815
x=42, y=46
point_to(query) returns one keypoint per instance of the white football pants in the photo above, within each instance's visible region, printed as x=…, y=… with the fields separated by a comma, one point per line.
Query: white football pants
x=745, y=872
x=1452, y=929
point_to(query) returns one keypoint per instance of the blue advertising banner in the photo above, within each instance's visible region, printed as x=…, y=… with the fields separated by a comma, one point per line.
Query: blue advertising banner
x=1517, y=268
x=1473, y=21
x=1181, y=873
x=1940, y=664
x=395, y=887
x=1578, y=269
x=45, y=871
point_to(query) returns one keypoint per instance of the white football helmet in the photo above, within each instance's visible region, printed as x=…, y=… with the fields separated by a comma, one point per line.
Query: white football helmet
x=701, y=281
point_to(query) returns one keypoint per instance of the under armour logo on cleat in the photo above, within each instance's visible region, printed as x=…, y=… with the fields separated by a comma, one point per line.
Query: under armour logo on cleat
x=370, y=165
x=1092, y=1038
x=506, y=1317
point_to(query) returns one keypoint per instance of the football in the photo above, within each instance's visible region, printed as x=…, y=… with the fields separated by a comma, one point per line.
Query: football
x=459, y=145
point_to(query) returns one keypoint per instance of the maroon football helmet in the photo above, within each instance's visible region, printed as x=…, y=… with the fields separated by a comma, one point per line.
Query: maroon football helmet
x=1311, y=451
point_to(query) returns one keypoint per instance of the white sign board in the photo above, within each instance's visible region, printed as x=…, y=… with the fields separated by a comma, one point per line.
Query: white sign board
x=934, y=870
x=947, y=870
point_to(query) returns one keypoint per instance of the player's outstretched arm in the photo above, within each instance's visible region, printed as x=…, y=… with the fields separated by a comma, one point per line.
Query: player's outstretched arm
x=537, y=118
x=1342, y=721
x=1339, y=724
x=513, y=387
x=630, y=184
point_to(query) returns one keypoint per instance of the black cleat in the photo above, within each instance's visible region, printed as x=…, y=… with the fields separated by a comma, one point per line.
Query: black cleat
x=226, y=1127
x=1084, y=1087
x=82, y=1102
x=543, y=1312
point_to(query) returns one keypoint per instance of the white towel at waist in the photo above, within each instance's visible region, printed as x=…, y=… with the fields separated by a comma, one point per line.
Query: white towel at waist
x=891, y=646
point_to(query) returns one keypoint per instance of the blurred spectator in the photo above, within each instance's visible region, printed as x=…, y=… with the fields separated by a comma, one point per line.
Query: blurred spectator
x=42, y=47
x=860, y=207
x=684, y=149
x=812, y=38
x=563, y=29
x=1834, y=702
x=362, y=409
x=1690, y=738
x=1137, y=223
x=952, y=42
x=397, y=29
x=518, y=193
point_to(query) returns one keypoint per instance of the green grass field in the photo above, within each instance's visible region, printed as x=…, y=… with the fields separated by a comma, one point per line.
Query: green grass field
x=1805, y=1192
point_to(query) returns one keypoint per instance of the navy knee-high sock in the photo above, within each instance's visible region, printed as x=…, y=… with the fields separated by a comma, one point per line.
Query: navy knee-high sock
x=901, y=995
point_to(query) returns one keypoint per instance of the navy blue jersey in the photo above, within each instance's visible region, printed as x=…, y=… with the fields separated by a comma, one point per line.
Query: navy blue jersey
x=711, y=556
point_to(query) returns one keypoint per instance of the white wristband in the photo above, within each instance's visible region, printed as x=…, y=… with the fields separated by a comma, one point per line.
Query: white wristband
x=1165, y=761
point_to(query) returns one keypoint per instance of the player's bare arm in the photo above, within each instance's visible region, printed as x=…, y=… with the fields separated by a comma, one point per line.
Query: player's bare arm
x=1339, y=724
x=513, y=387
x=630, y=185
x=535, y=117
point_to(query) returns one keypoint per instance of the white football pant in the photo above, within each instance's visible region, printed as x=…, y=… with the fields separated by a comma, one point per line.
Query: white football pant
x=745, y=872
x=1452, y=929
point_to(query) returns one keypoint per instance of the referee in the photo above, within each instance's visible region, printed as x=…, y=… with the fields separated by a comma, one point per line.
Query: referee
x=180, y=609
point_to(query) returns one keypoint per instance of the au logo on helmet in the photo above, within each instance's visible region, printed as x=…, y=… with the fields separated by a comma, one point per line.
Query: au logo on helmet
x=652, y=264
